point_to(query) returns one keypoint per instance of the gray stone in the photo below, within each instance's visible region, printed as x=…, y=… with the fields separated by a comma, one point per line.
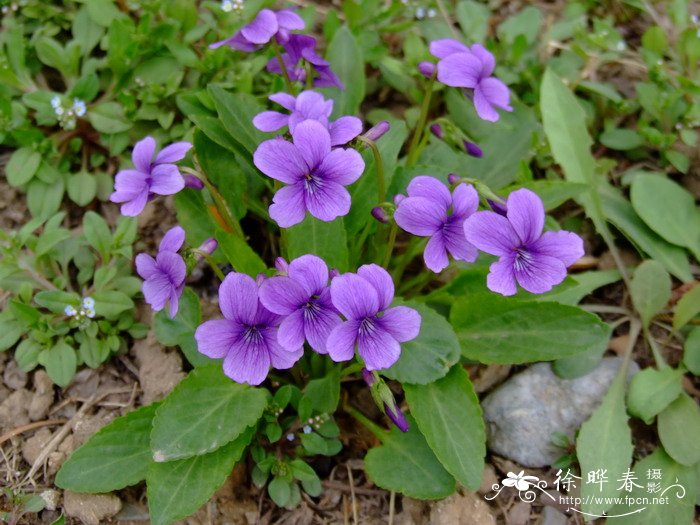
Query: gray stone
x=91, y=509
x=524, y=412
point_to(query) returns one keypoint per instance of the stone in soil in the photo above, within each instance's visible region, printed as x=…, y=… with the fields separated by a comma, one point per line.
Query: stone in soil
x=159, y=371
x=524, y=412
x=43, y=396
x=14, y=376
x=13, y=410
x=91, y=509
x=465, y=509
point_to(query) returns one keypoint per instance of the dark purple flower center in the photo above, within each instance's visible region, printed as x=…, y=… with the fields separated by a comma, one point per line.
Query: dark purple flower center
x=253, y=334
x=311, y=308
x=367, y=327
x=523, y=259
x=312, y=183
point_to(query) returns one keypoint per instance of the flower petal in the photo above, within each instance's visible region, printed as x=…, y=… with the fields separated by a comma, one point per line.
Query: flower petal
x=456, y=242
x=216, y=337
x=311, y=105
x=269, y=121
x=173, y=266
x=444, y=47
x=341, y=341
x=501, y=277
x=327, y=201
x=285, y=100
x=496, y=92
x=344, y=130
x=313, y=141
x=465, y=200
x=280, y=160
x=526, y=214
x=343, y=166
x=175, y=294
x=238, y=298
x=282, y=295
x=380, y=280
x=166, y=179
x=156, y=290
x=291, y=332
x=318, y=327
x=491, y=233
x=146, y=265
x=435, y=253
x=354, y=297
x=131, y=183
x=135, y=206
x=142, y=154
x=402, y=322
x=262, y=28
x=311, y=272
x=540, y=273
x=280, y=357
x=288, y=206
x=288, y=19
x=431, y=189
x=420, y=216
x=378, y=348
x=459, y=70
x=565, y=246
x=487, y=59
x=484, y=108
x=173, y=153
x=173, y=240
x=247, y=362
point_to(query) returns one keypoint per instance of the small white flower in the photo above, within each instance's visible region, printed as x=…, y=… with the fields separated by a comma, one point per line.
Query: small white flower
x=432, y=13
x=88, y=302
x=70, y=311
x=79, y=107
x=56, y=102
x=226, y=6
x=307, y=429
x=420, y=13
x=621, y=46
x=290, y=437
x=89, y=313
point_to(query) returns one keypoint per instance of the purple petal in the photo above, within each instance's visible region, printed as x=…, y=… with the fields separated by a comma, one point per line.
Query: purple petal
x=327, y=201
x=484, y=108
x=313, y=141
x=444, y=47
x=173, y=153
x=280, y=357
x=354, y=297
x=526, y=214
x=402, y=322
x=269, y=121
x=501, y=277
x=173, y=240
x=130, y=183
x=262, y=28
x=247, y=362
x=343, y=166
x=420, y=216
x=465, y=200
x=312, y=105
x=341, y=341
x=216, y=337
x=311, y=272
x=489, y=93
x=431, y=189
x=156, y=291
x=175, y=294
x=285, y=100
x=288, y=205
x=456, y=242
x=344, y=130
x=280, y=160
x=135, y=206
x=291, y=332
x=282, y=295
x=539, y=273
x=172, y=265
x=142, y=155
x=378, y=348
x=380, y=280
x=263, y=316
x=166, y=179
x=289, y=20
x=435, y=254
x=238, y=298
x=460, y=70
x=565, y=246
x=487, y=59
x=325, y=77
x=145, y=265
x=318, y=327
x=491, y=233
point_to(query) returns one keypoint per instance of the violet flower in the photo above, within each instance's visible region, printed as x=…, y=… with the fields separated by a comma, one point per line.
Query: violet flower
x=304, y=298
x=364, y=299
x=266, y=25
x=164, y=276
x=315, y=175
x=298, y=47
x=426, y=213
x=246, y=338
x=308, y=105
x=472, y=67
x=134, y=187
x=535, y=260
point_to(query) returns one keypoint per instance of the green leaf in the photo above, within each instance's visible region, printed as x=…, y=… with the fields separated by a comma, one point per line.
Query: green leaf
x=405, y=463
x=93, y=351
x=280, y=490
x=103, y=12
x=241, y=256
x=82, y=188
x=430, y=355
x=449, y=416
x=43, y=200
x=668, y=209
x=60, y=363
x=691, y=351
x=176, y=489
x=327, y=240
x=495, y=329
x=347, y=61
x=679, y=427
x=110, y=303
x=56, y=301
x=650, y=289
x=114, y=458
x=49, y=239
x=324, y=393
x=651, y=391
x=621, y=139
x=108, y=118
x=179, y=331
x=473, y=19
x=10, y=332
x=605, y=442
x=22, y=166
x=27, y=354
x=687, y=307
x=236, y=111
x=204, y=412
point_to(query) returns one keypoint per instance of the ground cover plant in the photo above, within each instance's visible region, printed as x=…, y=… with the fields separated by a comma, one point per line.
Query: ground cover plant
x=379, y=199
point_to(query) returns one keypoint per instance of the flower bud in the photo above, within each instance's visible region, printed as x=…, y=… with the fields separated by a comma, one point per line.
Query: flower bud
x=192, y=182
x=472, y=149
x=281, y=265
x=453, y=178
x=380, y=214
x=209, y=246
x=377, y=131
x=427, y=69
x=498, y=207
x=369, y=377
x=436, y=129
x=397, y=417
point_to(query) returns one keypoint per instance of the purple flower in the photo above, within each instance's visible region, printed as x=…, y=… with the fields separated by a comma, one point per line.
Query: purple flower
x=150, y=177
x=472, y=67
x=304, y=298
x=299, y=47
x=376, y=329
x=308, y=105
x=427, y=69
x=426, y=212
x=535, y=260
x=377, y=131
x=315, y=174
x=265, y=26
x=164, y=276
x=247, y=336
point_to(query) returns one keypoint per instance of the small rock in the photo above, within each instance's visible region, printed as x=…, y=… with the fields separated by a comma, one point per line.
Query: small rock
x=159, y=371
x=86, y=426
x=51, y=498
x=91, y=509
x=519, y=513
x=43, y=396
x=14, y=376
x=32, y=447
x=551, y=516
x=13, y=410
x=464, y=509
x=522, y=414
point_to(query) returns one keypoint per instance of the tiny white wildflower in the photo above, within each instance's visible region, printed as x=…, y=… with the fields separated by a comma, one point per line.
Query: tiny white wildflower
x=70, y=311
x=307, y=429
x=88, y=302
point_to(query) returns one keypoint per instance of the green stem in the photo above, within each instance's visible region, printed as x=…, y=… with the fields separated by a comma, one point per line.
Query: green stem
x=351, y=369
x=379, y=166
x=658, y=358
x=210, y=262
x=283, y=67
x=390, y=245
x=413, y=149
x=375, y=429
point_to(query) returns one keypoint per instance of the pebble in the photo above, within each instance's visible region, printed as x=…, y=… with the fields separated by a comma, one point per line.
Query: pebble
x=91, y=509
x=42, y=397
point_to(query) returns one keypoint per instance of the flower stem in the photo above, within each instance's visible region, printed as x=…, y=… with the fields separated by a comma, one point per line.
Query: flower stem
x=379, y=167
x=283, y=67
x=375, y=429
x=210, y=262
x=390, y=245
x=658, y=358
x=351, y=369
x=413, y=149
